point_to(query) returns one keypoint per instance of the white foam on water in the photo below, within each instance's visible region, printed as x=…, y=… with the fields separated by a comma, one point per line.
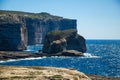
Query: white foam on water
x=85, y=55
x=12, y=60
x=88, y=55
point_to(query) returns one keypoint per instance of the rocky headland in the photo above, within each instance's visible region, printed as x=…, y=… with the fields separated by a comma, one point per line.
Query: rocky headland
x=19, y=29
x=58, y=34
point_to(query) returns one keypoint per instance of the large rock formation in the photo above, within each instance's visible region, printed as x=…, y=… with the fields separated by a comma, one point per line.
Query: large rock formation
x=35, y=26
x=67, y=41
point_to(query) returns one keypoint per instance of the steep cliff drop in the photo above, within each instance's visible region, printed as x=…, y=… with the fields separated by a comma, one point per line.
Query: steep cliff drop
x=39, y=27
x=13, y=36
x=28, y=28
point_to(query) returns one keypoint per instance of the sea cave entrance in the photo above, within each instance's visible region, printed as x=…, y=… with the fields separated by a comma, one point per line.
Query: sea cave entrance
x=34, y=48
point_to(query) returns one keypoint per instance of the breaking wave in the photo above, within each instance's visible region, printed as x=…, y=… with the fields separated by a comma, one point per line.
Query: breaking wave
x=88, y=55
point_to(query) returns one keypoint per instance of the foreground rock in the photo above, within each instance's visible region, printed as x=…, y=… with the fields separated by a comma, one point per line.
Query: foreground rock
x=67, y=41
x=6, y=55
x=40, y=73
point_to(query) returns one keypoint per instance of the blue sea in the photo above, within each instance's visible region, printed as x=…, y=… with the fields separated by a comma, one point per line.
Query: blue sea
x=102, y=58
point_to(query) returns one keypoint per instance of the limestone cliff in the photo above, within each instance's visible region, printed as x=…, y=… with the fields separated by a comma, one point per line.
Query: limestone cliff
x=30, y=28
x=37, y=28
x=13, y=36
x=67, y=41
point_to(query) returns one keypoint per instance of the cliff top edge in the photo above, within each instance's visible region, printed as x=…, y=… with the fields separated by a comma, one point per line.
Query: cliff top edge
x=42, y=15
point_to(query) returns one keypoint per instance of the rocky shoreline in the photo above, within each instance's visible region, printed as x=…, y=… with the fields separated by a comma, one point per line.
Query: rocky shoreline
x=7, y=55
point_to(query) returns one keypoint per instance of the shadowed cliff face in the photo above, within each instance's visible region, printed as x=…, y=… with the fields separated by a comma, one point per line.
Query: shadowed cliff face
x=37, y=29
x=31, y=27
x=13, y=36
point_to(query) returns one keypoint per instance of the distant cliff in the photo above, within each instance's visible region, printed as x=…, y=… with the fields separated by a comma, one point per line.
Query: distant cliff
x=19, y=29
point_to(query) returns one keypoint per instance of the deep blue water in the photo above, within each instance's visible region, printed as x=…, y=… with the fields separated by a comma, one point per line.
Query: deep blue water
x=102, y=58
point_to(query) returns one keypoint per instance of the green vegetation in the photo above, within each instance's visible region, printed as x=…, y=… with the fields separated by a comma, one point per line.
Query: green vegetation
x=43, y=15
x=56, y=77
x=3, y=78
x=22, y=77
x=61, y=34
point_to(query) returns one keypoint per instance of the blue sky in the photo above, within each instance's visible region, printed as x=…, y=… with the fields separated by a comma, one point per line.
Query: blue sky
x=96, y=19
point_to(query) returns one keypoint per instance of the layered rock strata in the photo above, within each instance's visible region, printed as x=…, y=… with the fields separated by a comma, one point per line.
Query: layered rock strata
x=28, y=28
x=13, y=36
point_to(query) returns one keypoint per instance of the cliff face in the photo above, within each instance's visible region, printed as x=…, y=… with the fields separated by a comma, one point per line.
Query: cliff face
x=13, y=36
x=37, y=28
x=67, y=42
x=33, y=26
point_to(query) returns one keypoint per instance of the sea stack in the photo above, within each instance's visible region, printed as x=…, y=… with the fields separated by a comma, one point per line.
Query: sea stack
x=66, y=42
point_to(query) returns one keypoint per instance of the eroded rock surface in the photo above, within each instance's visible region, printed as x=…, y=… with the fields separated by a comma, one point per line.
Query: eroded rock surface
x=64, y=41
x=13, y=36
x=17, y=29
x=40, y=73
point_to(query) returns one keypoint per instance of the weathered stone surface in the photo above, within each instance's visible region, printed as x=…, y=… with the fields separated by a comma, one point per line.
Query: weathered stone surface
x=37, y=28
x=8, y=55
x=19, y=28
x=36, y=24
x=59, y=41
x=40, y=73
x=76, y=42
x=71, y=53
x=57, y=46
